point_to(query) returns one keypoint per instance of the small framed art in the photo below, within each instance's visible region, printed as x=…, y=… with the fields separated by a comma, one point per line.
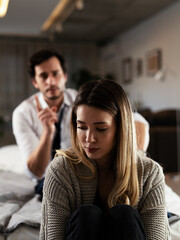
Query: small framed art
x=127, y=70
x=154, y=61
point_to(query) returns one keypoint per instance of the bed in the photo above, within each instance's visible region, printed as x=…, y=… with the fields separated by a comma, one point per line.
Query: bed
x=20, y=209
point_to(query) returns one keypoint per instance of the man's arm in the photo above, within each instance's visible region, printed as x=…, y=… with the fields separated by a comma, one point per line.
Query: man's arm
x=34, y=136
x=142, y=132
x=142, y=135
x=39, y=158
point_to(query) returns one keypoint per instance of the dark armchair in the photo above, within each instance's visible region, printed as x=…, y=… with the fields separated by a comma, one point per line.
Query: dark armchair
x=164, y=138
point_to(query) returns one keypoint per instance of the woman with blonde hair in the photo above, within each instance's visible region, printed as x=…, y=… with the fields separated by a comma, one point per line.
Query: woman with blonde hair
x=103, y=188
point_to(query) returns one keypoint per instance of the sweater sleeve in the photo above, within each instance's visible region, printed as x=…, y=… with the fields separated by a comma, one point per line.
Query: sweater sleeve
x=153, y=207
x=59, y=200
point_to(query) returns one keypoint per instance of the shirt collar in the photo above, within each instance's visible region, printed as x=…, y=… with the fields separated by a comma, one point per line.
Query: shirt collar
x=66, y=100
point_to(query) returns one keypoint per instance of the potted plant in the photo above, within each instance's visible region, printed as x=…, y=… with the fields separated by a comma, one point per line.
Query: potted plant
x=84, y=75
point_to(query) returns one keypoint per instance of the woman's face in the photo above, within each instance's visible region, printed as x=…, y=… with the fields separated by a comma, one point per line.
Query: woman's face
x=96, y=131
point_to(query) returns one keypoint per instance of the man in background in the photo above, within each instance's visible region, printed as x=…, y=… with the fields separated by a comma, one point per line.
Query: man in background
x=41, y=122
x=142, y=132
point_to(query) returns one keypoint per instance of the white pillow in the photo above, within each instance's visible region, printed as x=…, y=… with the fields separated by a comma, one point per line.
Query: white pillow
x=10, y=159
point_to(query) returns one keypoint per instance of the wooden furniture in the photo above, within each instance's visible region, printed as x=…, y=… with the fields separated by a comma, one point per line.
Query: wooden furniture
x=173, y=181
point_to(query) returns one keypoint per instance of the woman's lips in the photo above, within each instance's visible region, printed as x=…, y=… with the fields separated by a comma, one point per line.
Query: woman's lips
x=92, y=150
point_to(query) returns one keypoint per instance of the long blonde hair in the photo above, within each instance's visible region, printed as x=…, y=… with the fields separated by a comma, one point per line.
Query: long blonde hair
x=109, y=96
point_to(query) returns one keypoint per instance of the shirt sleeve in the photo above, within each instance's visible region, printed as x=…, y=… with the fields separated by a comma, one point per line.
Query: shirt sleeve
x=142, y=126
x=26, y=136
x=139, y=118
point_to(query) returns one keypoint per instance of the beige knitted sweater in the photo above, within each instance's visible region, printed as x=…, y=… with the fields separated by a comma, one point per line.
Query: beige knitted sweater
x=64, y=192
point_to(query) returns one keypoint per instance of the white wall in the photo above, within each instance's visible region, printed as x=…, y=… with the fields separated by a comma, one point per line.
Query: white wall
x=161, y=31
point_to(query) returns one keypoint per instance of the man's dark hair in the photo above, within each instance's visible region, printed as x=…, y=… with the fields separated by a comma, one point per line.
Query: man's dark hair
x=42, y=56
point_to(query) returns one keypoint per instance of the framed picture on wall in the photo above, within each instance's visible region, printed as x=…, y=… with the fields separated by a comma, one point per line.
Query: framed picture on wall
x=127, y=70
x=154, y=61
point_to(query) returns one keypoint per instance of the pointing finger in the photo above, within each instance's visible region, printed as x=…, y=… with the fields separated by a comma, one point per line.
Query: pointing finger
x=38, y=105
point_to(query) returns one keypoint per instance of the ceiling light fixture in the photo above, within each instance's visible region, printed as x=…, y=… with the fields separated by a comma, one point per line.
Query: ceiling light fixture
x=61, y=12
x=3, y=7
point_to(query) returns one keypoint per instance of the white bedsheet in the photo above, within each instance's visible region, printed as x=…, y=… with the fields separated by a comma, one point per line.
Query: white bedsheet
x=20, y=209
x=173, y=205
x=19, y=206
x=173, y=201
x=10, y=159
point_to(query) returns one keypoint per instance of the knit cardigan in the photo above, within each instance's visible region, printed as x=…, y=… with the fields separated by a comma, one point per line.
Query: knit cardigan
x=64, y=192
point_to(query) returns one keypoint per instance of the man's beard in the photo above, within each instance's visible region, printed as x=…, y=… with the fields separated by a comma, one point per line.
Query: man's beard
x=55, y=97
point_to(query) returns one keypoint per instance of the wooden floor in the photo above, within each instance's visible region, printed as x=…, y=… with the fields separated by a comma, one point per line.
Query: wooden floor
x=173, y=180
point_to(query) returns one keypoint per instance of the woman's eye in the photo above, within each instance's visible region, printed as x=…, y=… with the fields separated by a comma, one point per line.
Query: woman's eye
x=82, y=128
x=101, y=129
